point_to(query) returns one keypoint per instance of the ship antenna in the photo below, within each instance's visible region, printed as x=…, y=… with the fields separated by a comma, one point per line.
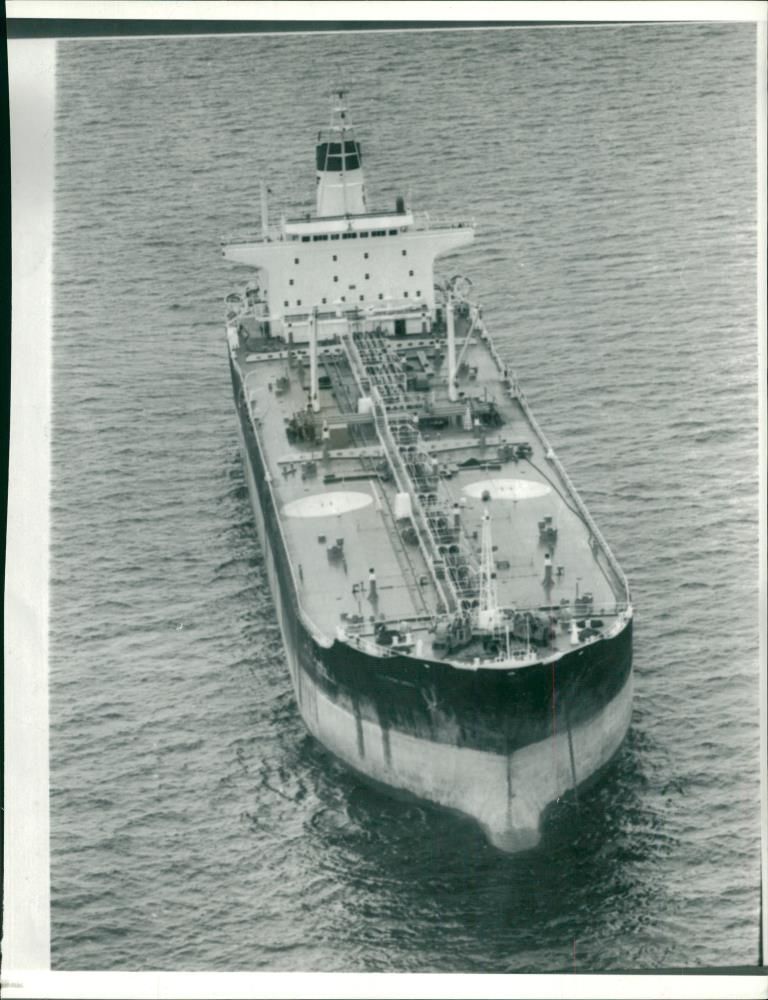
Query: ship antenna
x=341, y=110
x=313, y=380
x=451, y=337
x=340, y=184
x=488, y=611
x=263, y=190
x=527, y=635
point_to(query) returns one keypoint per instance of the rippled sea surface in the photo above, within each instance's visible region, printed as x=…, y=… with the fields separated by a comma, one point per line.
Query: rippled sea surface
x=611, y=172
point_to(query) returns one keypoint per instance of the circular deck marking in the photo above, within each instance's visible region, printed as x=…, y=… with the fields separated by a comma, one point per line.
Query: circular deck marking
x=327, y=504
x=508, y=489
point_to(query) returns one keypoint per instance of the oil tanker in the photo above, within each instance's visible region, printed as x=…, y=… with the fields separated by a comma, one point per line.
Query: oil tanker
x=455, y=626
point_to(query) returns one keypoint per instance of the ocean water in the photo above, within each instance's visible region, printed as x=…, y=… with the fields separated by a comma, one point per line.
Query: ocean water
x=194, y=823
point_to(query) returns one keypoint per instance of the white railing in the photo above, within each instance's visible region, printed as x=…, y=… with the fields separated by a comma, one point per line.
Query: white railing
x=276, y=234
x=403, y=481
x=423, y=220
x=317, y=635
x=582, y=508
x=400, y=473
x=273, y=235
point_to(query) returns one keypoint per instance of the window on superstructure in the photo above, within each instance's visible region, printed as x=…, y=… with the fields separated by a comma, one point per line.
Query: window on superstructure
x=378, y=232
x=286, y=303
x=324, y=301
x=305, y=239
x=362, y=298
x=365, y=255
x=298, y=302
x=335, y=257
x=295, y=260
x=335, y=277
x=410, y=274
x=404, y=253
x=381, y=295
x=343, y=298
x=364, y=236
x=334, y=236
x=349, y=236
x=367, y=276
x=290, y=281
x=405, y=295
x=418, y=295
x=393, y=232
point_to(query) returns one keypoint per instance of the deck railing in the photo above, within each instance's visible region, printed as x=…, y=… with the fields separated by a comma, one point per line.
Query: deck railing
x=582, y=508
x=275, y=234
x=555, y=461
x=315, y=632
x=399, y=471
x=424, y=220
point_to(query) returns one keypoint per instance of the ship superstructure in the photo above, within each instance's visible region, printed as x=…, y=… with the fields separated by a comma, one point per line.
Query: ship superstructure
x=456, y=626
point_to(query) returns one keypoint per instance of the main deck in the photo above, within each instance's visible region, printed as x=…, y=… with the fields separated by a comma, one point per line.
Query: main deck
x=401, y=508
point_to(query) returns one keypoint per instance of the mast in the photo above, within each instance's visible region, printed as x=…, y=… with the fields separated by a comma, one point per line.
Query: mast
x=264, y=210
x=488, y=610
x=340, y=180
x=313, y=381
x=451, y=337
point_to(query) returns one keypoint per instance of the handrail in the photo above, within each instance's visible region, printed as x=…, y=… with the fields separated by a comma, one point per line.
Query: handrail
x=317, y=635
x=272, y=235
x=393, y=454
x=552, y=457
x=421, y=221
x=403, y=481
x=618, y=609
x=365, y=639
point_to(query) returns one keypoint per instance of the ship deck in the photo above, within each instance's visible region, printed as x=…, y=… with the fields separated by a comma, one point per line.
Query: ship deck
x=339, y=507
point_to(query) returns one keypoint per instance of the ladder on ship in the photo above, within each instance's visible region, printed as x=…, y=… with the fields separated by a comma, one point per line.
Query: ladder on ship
x=446, y=547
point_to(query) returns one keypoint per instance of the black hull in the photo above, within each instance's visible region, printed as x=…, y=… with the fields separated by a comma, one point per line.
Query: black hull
x=528, y=733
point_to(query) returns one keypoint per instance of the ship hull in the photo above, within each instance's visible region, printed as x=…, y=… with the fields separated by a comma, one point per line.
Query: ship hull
x=498, y=745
